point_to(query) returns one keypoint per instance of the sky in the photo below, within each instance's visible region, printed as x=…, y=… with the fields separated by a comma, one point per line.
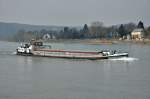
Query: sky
x=74, y=12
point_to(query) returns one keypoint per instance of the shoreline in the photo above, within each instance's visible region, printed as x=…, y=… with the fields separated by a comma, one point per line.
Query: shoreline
x=100, y=41
x=94, y=41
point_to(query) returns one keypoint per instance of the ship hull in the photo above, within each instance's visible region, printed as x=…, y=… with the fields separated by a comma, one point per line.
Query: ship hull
x=65, y=54
x=118, y=55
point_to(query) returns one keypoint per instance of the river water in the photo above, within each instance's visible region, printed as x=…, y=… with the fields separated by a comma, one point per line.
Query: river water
x=23, y=77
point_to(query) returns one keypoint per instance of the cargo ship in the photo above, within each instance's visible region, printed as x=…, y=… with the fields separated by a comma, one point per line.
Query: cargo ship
x=36, y=48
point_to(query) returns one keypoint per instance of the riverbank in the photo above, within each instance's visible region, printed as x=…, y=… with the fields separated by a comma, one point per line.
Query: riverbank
x=116, y=41
x=100, y=41
x=96, y=41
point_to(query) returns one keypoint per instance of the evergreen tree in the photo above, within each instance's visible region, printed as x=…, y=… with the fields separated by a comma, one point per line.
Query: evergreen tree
x=85, y=31
x=147, y=32
x=121, y=30
x=85, y=28
x=140, y=25
x=66, y=33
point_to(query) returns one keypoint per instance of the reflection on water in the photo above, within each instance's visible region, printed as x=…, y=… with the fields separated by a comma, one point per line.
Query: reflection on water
x=25, y=64
x=23, y=77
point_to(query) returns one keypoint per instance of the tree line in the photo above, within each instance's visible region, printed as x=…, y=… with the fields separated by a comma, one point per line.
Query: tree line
x=94, y=31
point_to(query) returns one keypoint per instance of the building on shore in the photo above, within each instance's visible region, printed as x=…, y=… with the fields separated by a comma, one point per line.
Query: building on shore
x=48, y=36
x=137, y=34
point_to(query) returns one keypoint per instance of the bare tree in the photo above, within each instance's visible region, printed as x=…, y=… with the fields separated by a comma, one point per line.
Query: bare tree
x=96, y=29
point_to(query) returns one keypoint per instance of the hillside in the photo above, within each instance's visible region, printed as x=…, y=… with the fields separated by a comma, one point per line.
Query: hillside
x=9, y=29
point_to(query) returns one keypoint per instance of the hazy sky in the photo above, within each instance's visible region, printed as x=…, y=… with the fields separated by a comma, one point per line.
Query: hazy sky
x=74, y=12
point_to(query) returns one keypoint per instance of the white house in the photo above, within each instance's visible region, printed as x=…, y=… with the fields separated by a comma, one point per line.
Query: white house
x=48, y=36
x=137, y=33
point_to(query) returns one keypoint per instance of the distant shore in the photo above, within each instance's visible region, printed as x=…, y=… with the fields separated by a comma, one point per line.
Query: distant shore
x=116, y=41
x=95, y=41
x=99, y=41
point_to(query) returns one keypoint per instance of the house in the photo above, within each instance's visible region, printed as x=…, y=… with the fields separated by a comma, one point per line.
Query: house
x=137, y=33
x=48, y=36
